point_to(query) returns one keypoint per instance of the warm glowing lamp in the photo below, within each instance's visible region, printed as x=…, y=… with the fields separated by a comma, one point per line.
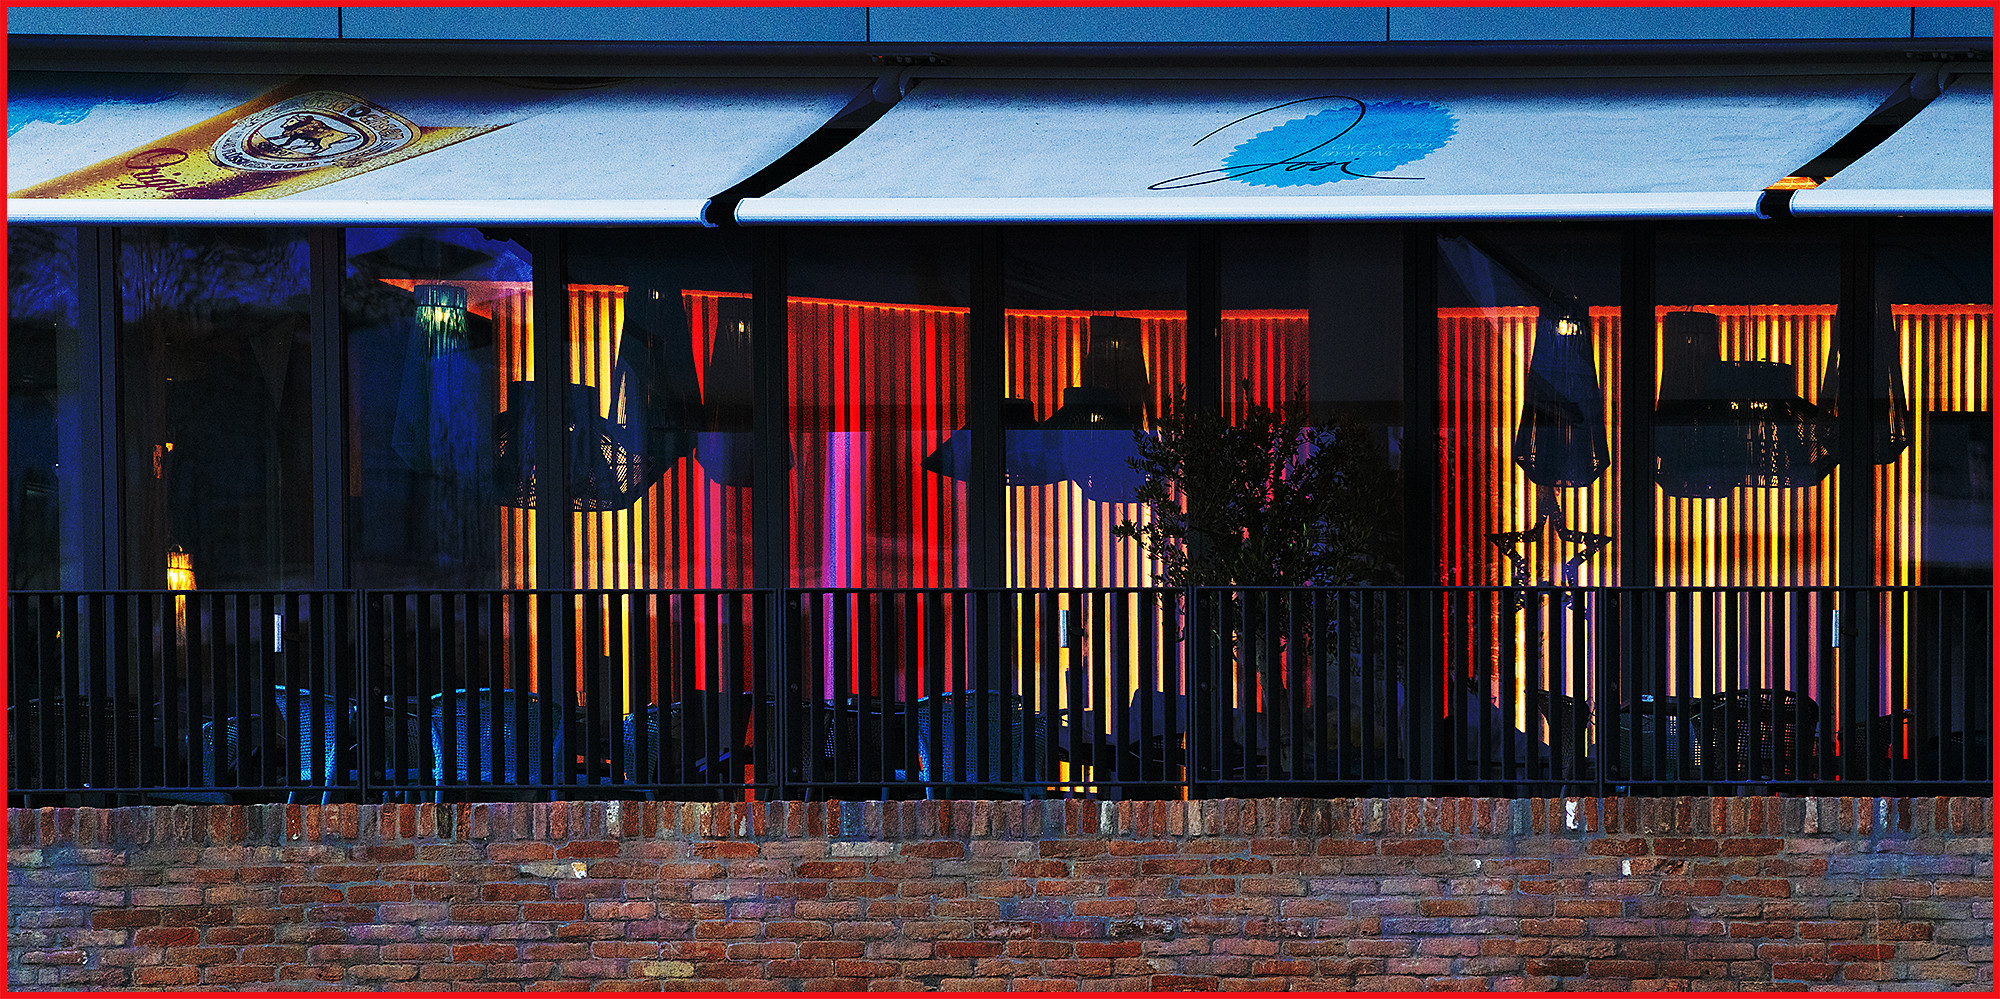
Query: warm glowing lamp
x=180, y=569
x=1562, y=441
x=441, y=317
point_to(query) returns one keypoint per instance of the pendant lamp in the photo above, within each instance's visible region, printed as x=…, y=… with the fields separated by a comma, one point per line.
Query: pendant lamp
x=1697, y=440
x=727, y=447
x=610, y=460
x=1562, y=441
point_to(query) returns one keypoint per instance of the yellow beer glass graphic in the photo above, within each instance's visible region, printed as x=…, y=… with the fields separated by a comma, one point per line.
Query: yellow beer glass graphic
x=294, y=137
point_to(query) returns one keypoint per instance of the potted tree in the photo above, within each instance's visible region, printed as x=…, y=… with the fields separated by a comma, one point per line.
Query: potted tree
x=1273, y=499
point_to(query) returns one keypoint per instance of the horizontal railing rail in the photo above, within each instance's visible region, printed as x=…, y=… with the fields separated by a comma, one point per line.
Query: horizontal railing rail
x=302, y=695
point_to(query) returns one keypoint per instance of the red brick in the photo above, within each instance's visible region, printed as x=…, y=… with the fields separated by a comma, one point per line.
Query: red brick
x=118, y=919
x=166, y=976
x=1761, y=888
x=239, y=974
x=514, y=892
x=1686, y=847
x=167, y=936
x=1746, y=847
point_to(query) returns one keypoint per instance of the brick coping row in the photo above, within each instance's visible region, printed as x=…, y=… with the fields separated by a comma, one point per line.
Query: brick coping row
x=1885, y=818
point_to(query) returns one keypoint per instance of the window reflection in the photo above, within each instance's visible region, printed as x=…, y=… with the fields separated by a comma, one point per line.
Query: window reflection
x=1528, y=358
x=1528, y=367
x=1096, y=333
x=1747, y=411
x=659, y=382
x=217, y=433
x=45, y=418
x=1934, y=501
x=1320, y=309
x=877, y=358
x=440, y=342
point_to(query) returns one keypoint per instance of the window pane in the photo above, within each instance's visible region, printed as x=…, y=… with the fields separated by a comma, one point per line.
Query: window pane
x=1528, y=362
x=1528, y=367
x=1744, y=428
x=45, y=412
x=659, y=393
x=1096, y=332
x=217, y=434
x=440, y=346
x=877, y=354
x=1320, y=309
x=1934, y=495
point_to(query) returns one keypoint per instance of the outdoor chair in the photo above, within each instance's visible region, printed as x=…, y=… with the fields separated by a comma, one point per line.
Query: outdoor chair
x=686, y=736
x=992, y=754
x=1758, y=734
x=314, y=720
x=467, y=724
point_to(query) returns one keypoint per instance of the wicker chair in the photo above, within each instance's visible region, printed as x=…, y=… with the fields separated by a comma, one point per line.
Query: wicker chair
x=1759, y=734
x=462, y=755
x=984, y=739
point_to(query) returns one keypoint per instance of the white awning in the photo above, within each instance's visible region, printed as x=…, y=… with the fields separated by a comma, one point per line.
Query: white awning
x=1939, y=162
x=993, y=150
x=105, y=148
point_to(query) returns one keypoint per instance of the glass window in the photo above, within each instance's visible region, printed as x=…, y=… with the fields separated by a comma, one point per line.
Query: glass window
x=1746, y=420
x=440, y=336
x=46, y=413
x=659, y=394
x=1096, y=326
x=1528, y=368
x=1528, y=363
x=1313, y=316
x=1932, y=426
x=217, y=385
x=881, y=453
x=1931, y=442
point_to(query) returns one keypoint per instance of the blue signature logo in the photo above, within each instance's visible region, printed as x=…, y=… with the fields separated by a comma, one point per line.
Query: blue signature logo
x=1345, y=138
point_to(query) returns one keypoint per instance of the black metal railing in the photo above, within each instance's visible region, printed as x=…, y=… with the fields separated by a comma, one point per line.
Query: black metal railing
x=210, y=696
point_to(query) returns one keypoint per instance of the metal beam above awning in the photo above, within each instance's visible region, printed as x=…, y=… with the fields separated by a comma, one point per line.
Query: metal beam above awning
x=992, y=150
x=1939, y=163
x=106, y=148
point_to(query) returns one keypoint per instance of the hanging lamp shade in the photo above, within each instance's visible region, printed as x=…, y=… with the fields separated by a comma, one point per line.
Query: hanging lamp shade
x=1779, y=441
x=1888, y=412
x=441, y=316
x=1561, y=441
x=1697, y=439
x=180, y=569
x=727, y=446
x=1088, y=439
x=610, y=459
x=1095, y=424
x=1033, y=458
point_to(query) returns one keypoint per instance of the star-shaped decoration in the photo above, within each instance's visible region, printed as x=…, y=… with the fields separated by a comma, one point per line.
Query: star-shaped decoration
x=1515, y=544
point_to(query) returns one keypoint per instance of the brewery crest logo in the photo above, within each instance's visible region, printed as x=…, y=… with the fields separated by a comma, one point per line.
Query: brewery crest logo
x=322, y=128
x=1339, y=139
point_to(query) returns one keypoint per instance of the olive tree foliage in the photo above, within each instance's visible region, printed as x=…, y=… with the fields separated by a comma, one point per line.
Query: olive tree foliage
x=1268, y=499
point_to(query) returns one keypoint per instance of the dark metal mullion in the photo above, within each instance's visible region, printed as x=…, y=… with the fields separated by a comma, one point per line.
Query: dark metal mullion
x=327, y=336
x=1420, y=376
x=99, y=323
x=986, y=360
x=1420, y=475
x=1856, y=472
x=1203, y=361
x=553, y=540
x=1638, y=349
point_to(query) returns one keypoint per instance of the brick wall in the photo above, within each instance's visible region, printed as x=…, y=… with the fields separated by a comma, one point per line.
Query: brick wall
x=1464, y=894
